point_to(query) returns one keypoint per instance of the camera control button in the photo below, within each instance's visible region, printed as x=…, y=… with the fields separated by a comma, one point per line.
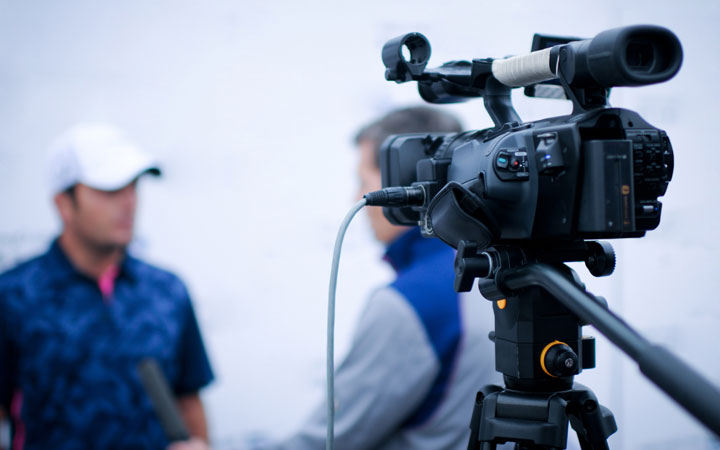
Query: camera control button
x=503, y=160
x=511, y=164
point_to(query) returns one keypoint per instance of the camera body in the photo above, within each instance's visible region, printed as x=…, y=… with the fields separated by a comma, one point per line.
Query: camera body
x=593, y=175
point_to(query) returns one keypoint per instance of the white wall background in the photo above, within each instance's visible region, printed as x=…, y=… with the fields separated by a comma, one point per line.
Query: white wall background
x=252, y=106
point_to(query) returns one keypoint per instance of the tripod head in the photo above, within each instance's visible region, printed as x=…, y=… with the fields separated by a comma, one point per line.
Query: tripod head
x=539, y=347
x=539, y=344
x=540, y=306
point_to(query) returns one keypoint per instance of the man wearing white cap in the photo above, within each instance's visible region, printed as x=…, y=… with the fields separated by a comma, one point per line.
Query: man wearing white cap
x=76, y=321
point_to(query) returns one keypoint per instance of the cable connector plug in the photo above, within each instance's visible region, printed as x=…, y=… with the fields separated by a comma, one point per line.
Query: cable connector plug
x=396, y=196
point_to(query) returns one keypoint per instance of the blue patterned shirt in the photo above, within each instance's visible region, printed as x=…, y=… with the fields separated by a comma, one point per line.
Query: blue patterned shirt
x=68, y=356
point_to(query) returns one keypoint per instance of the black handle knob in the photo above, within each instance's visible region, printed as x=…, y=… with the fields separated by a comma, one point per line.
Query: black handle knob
x=469, y=265
x=559, y=360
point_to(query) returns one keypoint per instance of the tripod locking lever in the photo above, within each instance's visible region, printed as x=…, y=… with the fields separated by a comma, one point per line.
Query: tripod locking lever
x=469, y=264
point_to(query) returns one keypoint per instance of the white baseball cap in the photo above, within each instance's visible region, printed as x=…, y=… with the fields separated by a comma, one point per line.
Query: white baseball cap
x=97, y=155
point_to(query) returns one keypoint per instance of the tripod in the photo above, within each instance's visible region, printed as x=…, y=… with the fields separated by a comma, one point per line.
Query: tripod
x=540, y=306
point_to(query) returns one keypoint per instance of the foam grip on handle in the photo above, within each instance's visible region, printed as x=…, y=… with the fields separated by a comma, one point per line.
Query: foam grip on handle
x=524, y=70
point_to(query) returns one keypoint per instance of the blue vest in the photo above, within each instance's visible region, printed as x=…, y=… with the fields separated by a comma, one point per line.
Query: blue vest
x=425, y=277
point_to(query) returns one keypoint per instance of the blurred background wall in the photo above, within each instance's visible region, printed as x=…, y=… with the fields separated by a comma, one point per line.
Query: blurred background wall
x=252, y=106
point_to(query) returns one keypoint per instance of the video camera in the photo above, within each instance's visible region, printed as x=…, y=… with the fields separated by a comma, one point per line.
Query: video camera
x=596, y=173
x=521, y=199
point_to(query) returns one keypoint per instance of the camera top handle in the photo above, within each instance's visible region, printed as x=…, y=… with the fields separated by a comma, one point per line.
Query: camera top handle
x=629, y=56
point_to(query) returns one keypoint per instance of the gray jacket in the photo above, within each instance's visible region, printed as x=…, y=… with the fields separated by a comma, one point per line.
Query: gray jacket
x=388, y=372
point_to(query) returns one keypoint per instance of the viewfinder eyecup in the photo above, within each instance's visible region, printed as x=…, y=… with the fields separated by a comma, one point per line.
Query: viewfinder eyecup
x=628, y=56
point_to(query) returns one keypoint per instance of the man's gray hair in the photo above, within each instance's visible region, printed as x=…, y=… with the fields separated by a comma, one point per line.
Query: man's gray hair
x=415, y=119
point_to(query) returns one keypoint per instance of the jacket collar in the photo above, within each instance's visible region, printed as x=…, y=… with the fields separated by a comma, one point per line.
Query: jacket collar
x=411, y=246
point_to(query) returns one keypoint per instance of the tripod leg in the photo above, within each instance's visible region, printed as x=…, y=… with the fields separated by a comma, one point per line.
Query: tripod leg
x=592, y=429
x=592, y=422
x=584, y=443
x=474, y=444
